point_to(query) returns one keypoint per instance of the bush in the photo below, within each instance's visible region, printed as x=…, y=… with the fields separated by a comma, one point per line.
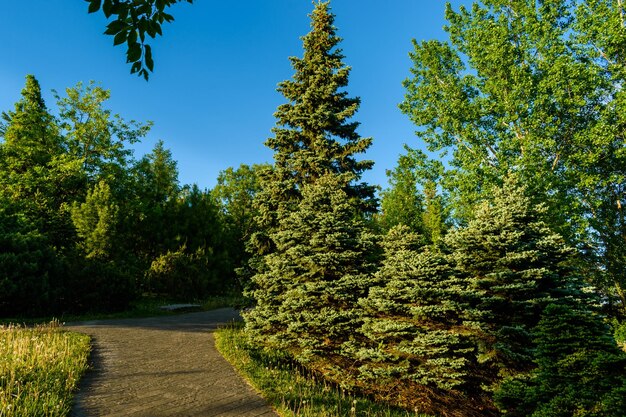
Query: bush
x=185, y=275
x=580, y=371
x=27, y=266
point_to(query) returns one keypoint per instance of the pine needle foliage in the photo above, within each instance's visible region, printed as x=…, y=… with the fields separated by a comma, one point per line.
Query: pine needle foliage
x=515, y=266
x=30, y=135
x=580, y=370
x=34, y=171
x=307, y=298
x=310, y=250
x=418, y=352
x=314, y=133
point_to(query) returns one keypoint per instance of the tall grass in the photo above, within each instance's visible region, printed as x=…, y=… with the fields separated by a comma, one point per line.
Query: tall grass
x=39, y=369
x=290, y=389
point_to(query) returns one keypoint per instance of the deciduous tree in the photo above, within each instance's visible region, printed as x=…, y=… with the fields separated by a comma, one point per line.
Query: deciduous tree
x=533, y=88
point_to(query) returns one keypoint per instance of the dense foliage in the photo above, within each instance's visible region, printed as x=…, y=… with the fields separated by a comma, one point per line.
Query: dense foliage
x=534, y=88
x=469, y=310
x=85, y=226
x=483, y=287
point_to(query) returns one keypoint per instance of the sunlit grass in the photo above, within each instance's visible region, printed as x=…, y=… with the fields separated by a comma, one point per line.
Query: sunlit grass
x=289, y=388
x=39, y=369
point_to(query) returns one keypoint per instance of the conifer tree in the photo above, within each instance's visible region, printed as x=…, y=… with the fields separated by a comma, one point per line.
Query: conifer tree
x=310, y=250
x=307, y=298
x=35, y=172
x=580, y=370
x=157, y=190
x=30, y=135
x=418, y=352
x=413, y=198
x=402, y=202
x=96, y=221
x=515, y=266
x=314, y=134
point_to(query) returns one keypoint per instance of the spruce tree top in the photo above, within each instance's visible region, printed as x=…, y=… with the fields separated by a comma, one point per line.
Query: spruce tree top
x=31, y=96
x=314, y=135
x=29, y=133
x=30, y=111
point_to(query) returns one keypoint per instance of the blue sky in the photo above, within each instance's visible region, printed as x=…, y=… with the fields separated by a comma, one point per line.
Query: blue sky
x=213, y=93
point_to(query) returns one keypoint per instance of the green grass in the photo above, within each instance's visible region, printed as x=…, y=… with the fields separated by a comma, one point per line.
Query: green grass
x=289, y=388
x=146, y=306
x=39, y=369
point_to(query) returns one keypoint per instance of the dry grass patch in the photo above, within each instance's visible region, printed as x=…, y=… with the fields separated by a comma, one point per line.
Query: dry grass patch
x=39, y=369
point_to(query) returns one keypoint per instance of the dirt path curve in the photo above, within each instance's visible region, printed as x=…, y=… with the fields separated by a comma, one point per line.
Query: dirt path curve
x=163, y=366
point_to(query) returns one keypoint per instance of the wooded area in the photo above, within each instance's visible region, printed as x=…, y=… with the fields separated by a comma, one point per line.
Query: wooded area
x=489, y=282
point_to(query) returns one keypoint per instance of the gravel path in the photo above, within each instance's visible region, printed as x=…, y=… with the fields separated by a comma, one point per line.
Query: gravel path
x=163, y=366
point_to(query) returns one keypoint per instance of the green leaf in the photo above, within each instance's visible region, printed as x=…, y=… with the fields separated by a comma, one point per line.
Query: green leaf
x=134, y=52
x=132, y=37
x=145, y=9
x=142, y=34
x=148, y=57
x=120, y=38
x=121, y=11
x=94, y=6
x=107, y=8
x=135, y=68
x=150, y=29
x=115, y=27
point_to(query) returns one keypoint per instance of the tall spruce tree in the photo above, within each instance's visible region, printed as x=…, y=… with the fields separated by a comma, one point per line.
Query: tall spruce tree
x=314, y=134
x=307, y=298
x=315, y=179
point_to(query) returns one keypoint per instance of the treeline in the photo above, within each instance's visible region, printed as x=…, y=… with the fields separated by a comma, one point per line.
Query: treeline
x=485, y=284
x=85, y=226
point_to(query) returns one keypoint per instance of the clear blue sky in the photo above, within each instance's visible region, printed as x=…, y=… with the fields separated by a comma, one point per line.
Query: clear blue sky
x=213, y=93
